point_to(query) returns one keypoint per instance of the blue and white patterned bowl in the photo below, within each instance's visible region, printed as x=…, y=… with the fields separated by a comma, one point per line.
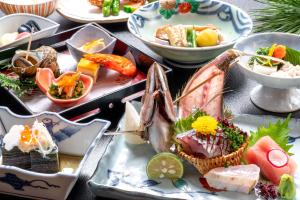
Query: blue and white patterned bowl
x=232, y=21
x=72, y=139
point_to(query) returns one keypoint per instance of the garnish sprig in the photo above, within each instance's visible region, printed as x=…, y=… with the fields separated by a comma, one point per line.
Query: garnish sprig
x=277, y=16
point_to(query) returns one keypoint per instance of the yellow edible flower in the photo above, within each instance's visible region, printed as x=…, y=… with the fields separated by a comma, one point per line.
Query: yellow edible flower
x=205, y=125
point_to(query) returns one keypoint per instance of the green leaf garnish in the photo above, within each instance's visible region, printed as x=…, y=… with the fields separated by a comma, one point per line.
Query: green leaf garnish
x=19, y=87
x=261, y=51
x=292, y=56
x=278, y=132
x=185, y=124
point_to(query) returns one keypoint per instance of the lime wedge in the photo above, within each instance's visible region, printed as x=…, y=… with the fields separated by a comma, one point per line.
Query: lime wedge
x=165, y=165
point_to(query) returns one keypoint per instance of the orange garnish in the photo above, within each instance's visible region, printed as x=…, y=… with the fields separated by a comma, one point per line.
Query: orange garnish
x=26, y=136
x=69, y=80
x=279, y=51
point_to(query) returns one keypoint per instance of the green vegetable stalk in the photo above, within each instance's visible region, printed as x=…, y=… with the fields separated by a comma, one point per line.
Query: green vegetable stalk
x=191, y=37
x=128, y=9
x=115, y=7
x=106, y=7
x=287, y=188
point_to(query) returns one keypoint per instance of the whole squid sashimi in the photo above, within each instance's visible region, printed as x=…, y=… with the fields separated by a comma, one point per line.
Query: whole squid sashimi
x=207, y=97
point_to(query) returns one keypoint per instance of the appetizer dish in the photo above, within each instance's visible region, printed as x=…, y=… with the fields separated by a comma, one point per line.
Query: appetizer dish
x=71, y=87
x=23, y=31
x=30, y=148
x=93, y=46
x=188, y=35
x=67, y=87
x=90, y=39
x=267, y=67
x=113, y=7
x=67, y=90
x=257, y=162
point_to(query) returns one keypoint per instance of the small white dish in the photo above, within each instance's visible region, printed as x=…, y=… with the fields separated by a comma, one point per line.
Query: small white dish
x=72, y=139
x=86, y=34
x=277, y=94
x=10, y=23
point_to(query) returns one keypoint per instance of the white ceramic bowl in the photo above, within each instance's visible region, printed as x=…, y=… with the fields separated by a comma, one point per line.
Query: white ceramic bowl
x=72, y=139
x=10, y=23
x=86, y=34
x=255, y=41
x=232, y=21
x=37, y=7
x=276, y=94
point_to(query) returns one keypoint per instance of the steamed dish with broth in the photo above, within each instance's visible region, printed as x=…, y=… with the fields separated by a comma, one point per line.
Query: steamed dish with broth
x=188, y=35
x=273, y=68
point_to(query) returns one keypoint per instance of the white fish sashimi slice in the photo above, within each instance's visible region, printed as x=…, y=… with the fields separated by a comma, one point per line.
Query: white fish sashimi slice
x=131, y=123
x=240, y=178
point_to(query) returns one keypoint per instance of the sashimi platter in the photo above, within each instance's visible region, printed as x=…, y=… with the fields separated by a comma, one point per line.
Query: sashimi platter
x=203, y=152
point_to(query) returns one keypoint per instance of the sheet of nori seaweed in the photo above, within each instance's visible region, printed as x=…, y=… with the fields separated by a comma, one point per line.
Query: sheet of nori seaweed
x=48, y=164
x=16, y=158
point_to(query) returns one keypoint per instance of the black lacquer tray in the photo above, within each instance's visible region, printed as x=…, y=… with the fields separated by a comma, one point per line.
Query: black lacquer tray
x=109, y=106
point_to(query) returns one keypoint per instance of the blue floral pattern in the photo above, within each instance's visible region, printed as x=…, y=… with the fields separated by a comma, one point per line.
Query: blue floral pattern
x=241, y=23
x=19, y=184
x=117, y=177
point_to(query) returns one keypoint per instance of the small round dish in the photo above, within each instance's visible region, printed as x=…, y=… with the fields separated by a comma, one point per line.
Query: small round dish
x=232, y=22
x=275, y=94
x=45, y=77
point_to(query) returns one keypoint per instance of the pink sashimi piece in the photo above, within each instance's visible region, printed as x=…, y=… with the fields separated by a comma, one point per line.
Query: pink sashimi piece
x=257, y=154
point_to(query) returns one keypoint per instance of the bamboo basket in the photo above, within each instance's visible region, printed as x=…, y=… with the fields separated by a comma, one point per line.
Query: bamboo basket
x=205, y=165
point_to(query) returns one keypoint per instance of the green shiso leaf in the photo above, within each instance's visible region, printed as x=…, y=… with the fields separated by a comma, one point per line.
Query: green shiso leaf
x=185, y=124
x=292, y=56
x=278, y=132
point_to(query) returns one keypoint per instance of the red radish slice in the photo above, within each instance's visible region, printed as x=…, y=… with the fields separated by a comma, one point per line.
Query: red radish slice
x=277, y=158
